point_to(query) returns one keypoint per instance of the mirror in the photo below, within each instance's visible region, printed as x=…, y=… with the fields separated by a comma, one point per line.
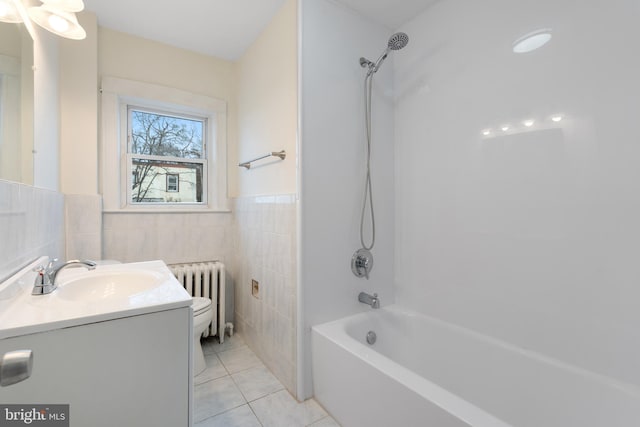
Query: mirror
x=16, y=103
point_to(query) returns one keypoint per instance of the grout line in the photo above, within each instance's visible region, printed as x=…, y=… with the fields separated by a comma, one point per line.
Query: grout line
x=224, y=412
x=255, y=415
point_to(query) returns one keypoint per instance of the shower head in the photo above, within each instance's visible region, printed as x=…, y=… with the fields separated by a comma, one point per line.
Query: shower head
x=396, y=42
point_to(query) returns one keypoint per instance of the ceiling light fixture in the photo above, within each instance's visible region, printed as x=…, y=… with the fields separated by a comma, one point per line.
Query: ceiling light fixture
x=60, y=22
x=9, y=12
x=56, y=16
x=66, y=5
x=532, y=41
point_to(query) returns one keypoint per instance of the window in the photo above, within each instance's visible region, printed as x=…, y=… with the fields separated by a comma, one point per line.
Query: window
x=173, y=183
x=162, y=149
x=164, y=145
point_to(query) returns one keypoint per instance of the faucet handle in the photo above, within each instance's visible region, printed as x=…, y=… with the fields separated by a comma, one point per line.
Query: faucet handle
x=361, y=263
x=40, y=277
x=51, y=264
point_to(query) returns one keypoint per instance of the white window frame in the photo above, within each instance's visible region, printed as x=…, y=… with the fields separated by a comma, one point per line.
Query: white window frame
x=117, y=96
x=203, y=161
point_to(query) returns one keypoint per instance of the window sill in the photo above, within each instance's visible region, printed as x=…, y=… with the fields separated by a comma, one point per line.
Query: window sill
x=164, y=211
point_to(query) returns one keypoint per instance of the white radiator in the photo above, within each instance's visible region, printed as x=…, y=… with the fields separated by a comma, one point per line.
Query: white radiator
x=205, y=279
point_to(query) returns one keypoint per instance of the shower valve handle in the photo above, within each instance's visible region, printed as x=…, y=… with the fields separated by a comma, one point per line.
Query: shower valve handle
x=362, y=263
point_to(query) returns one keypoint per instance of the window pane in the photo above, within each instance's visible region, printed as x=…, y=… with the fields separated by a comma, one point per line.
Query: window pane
x=162, y=135
x=173, y=182
x=151, y=183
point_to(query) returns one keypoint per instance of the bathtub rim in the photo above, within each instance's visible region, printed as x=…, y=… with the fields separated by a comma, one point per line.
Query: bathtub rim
x=335, y=332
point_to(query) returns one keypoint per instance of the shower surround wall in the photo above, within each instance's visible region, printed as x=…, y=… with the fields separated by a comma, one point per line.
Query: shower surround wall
x=333, y=166
x=529, y=235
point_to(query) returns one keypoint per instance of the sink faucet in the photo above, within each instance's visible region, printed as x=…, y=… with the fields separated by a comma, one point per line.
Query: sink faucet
x=46, y=279
x=373, y=301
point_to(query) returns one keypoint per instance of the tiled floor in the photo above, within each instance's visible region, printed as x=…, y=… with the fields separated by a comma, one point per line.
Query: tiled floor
x=237, y=390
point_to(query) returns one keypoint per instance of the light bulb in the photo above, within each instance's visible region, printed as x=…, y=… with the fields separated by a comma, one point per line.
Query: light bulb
x=9, y=12
x=57, y=23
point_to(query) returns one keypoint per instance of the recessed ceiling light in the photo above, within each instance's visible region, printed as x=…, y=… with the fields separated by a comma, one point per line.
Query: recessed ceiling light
x=532, y=41
x=528, y=123
x=486, y=132
x=556, y=118
x=505, y=128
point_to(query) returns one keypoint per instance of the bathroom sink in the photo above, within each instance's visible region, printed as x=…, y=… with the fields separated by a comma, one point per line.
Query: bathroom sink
x=82, y=297
x=100, y=285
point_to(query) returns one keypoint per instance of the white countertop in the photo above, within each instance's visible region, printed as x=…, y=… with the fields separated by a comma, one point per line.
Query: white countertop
x=22, y=313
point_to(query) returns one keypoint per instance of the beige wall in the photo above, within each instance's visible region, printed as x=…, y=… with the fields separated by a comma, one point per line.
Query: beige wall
x=267, y=107
x=133, y=58
x=79, y=110
x=128, y=57
x=10, y=40
x=110, y=53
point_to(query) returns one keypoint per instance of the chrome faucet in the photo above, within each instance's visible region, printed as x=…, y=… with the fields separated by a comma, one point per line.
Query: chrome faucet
x=373, y=301
x=45, y=282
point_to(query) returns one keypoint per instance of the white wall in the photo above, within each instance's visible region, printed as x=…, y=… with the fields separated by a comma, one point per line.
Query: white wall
x=332, y=158
x=531, y=237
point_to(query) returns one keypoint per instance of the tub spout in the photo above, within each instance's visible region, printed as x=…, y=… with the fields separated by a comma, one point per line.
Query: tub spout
x=373, y=301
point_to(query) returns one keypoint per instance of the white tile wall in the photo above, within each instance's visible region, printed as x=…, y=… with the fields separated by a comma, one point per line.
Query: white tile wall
x=31, y=225
x=171, y=237
x=83, y=220
x=266, y=252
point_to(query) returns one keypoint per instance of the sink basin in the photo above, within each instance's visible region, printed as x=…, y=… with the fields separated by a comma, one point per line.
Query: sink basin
x=98, y=285
x=109, y=292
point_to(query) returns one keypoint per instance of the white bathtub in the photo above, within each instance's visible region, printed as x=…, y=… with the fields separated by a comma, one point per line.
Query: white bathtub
x=425, y=372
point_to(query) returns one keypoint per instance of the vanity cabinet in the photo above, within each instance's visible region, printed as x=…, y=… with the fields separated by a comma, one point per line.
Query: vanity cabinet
x=132, y=371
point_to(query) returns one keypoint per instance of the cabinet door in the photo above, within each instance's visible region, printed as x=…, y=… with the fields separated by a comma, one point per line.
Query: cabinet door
x=127, y=372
